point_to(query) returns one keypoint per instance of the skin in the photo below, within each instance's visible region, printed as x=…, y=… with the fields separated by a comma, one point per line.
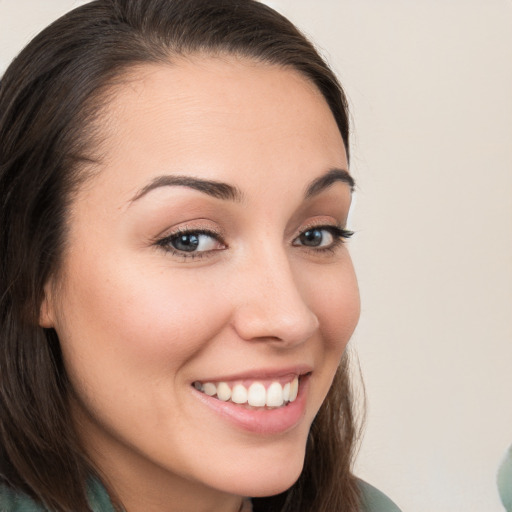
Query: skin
x=138, y=324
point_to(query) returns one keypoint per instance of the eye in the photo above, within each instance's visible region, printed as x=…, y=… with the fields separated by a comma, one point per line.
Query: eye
x=191, y=242
x=316, y=238
x=322, y=237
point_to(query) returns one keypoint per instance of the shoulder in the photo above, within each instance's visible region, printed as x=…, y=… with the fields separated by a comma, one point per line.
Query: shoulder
x=373, y=500
x=13, y=501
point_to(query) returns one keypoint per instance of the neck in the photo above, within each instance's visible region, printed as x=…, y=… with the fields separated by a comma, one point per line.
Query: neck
x=136, y=484
x=158, y=491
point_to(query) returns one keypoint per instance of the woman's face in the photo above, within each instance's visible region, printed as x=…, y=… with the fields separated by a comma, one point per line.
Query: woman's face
x=206, y=258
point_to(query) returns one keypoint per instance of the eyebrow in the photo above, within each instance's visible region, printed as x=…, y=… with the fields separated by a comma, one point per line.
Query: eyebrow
x=323, y=182
x=220, y=190
x=215, y=189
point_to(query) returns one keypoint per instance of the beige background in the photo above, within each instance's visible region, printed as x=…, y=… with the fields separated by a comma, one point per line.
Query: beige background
x=430, y=86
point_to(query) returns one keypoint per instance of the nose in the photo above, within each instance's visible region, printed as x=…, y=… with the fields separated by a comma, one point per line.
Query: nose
x=271, y=305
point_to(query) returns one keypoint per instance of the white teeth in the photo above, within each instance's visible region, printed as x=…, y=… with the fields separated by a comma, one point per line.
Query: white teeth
x=275, y=395
x=223, y=391
x=286, y=392
x=294, y=389
x=239, y=394
x=209, y=388
x=257, y=396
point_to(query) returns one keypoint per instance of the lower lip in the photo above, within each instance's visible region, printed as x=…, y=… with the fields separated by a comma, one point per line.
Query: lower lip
x=261, y=421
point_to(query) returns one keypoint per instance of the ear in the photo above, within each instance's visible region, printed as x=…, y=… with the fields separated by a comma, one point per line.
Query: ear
x=46, y=311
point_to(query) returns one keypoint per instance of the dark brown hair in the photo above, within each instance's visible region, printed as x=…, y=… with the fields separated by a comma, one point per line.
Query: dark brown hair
x=50, y=97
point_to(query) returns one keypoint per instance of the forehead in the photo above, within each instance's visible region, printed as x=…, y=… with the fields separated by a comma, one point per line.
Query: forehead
x=220, y=118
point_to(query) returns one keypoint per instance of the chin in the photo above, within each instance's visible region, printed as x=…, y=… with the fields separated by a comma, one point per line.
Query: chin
x=274, y=485
x=267, y=476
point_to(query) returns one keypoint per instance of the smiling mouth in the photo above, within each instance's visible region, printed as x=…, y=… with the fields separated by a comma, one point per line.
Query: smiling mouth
x=259, y=394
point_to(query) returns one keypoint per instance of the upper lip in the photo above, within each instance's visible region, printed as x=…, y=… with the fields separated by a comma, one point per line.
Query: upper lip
x=261, y=373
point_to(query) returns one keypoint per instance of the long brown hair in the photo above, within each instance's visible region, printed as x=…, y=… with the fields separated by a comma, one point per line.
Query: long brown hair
x=50, y=97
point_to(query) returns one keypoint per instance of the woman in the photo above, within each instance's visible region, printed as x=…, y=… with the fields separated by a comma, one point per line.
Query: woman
x=176, y=293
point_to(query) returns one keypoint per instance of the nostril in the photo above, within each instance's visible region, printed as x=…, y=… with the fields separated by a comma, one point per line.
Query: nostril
x=271, y=306
x=266, y=325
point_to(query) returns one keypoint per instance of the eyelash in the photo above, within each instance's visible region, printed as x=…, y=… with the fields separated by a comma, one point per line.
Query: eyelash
x=165, y=243
x=340, y=236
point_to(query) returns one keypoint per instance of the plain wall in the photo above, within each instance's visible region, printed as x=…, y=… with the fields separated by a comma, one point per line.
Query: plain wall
x=430, y=88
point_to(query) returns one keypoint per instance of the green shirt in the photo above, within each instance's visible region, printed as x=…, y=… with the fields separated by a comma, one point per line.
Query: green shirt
x=372, y=500
x=12, y=501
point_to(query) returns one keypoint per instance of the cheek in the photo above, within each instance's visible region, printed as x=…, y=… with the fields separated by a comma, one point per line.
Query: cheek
x=137, y=321
x=332, y=293
x=336, y=302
